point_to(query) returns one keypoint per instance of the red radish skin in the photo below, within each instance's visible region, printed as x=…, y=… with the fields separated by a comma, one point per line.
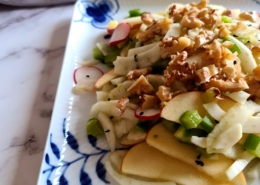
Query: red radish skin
x=120, y=34
x=89, y=73
x=110, y=31
x=147, y=114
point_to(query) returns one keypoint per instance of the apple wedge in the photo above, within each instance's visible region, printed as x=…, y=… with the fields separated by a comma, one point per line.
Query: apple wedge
x=127, y=142
x=105, y=78
x=146, y=161
x=166, y=142
x=190, y=101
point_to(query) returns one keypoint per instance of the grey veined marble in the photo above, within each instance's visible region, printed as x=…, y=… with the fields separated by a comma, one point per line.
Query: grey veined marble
x=34, y=2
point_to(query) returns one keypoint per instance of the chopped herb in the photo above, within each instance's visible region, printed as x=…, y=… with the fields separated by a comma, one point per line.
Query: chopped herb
x=111, y=117
x=107, y=131
x=107, y=36
x=235, y=62
x=235, y=35
x=199, y=163
x=199, y=156
x=87, y=76
x=108, y=99
x=135, y=58
x=155, y=136
x=141, y=113
x=216, y=121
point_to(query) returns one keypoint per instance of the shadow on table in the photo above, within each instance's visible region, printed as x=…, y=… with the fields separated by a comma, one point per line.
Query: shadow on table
x=31, y=158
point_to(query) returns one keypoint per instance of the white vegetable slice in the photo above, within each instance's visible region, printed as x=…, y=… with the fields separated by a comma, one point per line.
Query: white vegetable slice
x=240, y=96
x=234, y=152
x=252, y=125
x=237, y=114
x=248, y=62
x=214, y=110
x=175, y=31
x=229, y=137
x=123, y=126
x=118, y=80
x=121, y=90
x=125, y=180
x=101, y=95
x=108, y=128
x=254, y=172
x=238, y=166
x=139, y=50
x=104, y=48
x=199, y=141
x=124, y=64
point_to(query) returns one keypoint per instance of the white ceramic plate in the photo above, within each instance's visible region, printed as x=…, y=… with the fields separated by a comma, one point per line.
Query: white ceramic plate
x=71, y=157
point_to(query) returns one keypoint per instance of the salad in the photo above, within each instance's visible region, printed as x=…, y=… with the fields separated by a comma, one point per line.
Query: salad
x=182, y=96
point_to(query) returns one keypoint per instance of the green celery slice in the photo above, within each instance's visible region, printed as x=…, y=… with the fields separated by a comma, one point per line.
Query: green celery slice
x=207, y=124
x=94, y=128
x=97, y=54
x=135, y=12
x=226, y=19
x=252, y=144
x=190, y=119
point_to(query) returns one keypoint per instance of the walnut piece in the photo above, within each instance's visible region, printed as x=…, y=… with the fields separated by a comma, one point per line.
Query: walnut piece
x=210, y=18
x=147, y=18
x=157, y=28
x=191, y=22
x=121, y=104
x=206, y=73
x=172, y=45
x=204, y=37
x=256, y=73
x=223, y=32
x=141, y=86
x=176, y=13
x=133, y=74
x=179, y=69
x=164, y=93
x=256, y=53
x=250, y=16
x=202, y=4
x=149, y=101
x=227, y=86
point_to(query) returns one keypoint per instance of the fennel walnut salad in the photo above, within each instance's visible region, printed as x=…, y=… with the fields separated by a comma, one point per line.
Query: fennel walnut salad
x=183, y=96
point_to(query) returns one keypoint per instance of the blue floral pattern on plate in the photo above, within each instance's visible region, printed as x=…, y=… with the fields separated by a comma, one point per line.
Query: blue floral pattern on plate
x=72, y=142
x=98, y=12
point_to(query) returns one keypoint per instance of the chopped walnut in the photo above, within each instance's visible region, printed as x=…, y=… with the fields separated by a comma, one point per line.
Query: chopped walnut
x=176, y=13
x=206, y=73
x=202, y=4
x=256, y=73
x=229, y=73
x=204, y=37
x=209, y=17
x=164, y=93
x=141, y=86
x=147, y=18
x=121, y=104
x=191, y=22
x=149, y=101
x=155, y=80
x=223, y=31
x=179, y=69
x=172, y=45
x=254, y=89
x=250, y=16
x=227, y=13
x=133, y=74
x=227, y=86
x=157, y=28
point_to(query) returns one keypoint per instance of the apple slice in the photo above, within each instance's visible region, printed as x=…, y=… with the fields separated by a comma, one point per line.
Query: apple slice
x=146, y=161
x=86, y=73
x=147, y=114
x=120, y=34
x=105, y=78
x=127, y=142
x=168, y=144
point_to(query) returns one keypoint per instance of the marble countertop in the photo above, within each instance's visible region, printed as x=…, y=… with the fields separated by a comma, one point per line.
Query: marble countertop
x=32, y=47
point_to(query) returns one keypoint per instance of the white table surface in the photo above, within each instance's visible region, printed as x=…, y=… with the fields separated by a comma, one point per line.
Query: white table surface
x=32, y=43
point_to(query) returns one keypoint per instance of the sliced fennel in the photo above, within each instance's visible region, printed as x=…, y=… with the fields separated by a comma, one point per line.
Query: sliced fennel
x=123, y=126
x=139, y=50
x=118, y=80
x=248, y=62
x=239, y=165
x=240, y=96
x=199, y=141
x=121, y=90
x=108, y=128
x=252, y=125
x=237, y=114
x=101, y=95
x=214, y=110
x=136, y=134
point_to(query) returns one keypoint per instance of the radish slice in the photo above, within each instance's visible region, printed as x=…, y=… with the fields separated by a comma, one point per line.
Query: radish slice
x=86, y=74
x=147, y=114
x=120, y=34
